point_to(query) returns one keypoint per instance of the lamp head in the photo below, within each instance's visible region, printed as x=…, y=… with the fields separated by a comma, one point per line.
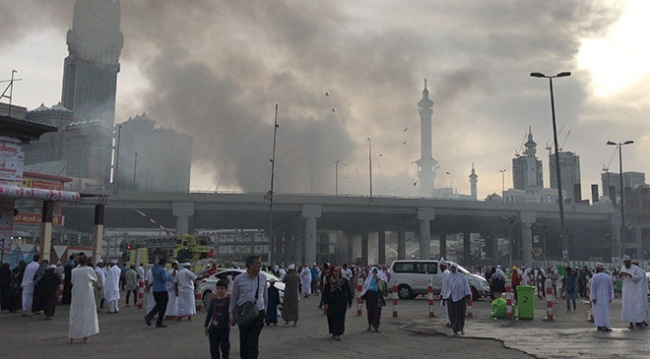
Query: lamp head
x=537, y=74
x=611, y=143
x=563, y=74
x=628, y=142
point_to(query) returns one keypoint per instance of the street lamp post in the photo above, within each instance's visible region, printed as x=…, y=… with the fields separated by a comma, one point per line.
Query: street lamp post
x=336, y=182
x=269, y=195
x=117, y=160
x=135, y=167
x=503, y=187
x=565, y=242
x=620, y=168
x=370, y=164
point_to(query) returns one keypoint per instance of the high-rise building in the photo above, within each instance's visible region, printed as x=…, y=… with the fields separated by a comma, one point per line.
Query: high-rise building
x=89, y=87
x=631, y=180
x=526, y=168
x=50, y=147
x=90, y=70
x=569, y=174
x=152, y=159
x=85, y=150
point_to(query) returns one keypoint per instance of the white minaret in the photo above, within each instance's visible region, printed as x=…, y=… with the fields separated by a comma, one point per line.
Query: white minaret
x=426, y=164
x=473, y=181
x=531, y=162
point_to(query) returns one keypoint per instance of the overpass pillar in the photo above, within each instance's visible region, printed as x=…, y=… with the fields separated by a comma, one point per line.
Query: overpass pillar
x=425, y=215
x=401, y=243
x=364, y=249
x=349, y=243
x=527, y=220
x=638, y=235
x=98, y=232
x=617, y=245
x=381, y=247
x=443, y=246
x=297, y=246
x=311, y=212
x=182, y=211
x=493, y=246
x=467, y=249
x=46, y=230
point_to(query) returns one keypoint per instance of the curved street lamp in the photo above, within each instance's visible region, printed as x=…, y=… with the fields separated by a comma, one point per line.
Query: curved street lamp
x=620, y=168
x=565, y=243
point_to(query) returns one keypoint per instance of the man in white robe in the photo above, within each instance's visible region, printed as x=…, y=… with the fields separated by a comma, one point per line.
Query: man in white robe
x=602, y=293
x=305, y=281
x=148, y=277
x=83, y=312
x=634, y=294
x=172, y=292
x=28, y=284
x=186, y=304
x=112, y=287
x=99, y=285
x=445, y=283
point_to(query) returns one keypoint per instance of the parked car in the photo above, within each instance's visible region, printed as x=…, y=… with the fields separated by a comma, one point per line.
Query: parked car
x=478, y=285
x=412, y=276
x=208, y=286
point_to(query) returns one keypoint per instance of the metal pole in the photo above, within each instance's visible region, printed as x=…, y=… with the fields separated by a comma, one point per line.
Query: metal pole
x=370, y=164
x=620, y=167
x=564, y=241
x=135, y=166
x=510, y=245
x=117, y=160
x=336, y=187
x=503, y=187
x=271, y=241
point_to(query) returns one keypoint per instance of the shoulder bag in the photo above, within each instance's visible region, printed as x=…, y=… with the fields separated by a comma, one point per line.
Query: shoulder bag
x=247, y=312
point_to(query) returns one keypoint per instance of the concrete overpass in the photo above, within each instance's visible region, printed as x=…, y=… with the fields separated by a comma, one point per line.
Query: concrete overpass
x=295, y=215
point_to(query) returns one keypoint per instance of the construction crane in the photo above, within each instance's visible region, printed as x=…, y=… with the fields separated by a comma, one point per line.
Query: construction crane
x=521, y=147
x=565, y=138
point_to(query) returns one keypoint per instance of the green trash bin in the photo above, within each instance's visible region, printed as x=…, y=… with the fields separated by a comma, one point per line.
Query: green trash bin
x=526, y=301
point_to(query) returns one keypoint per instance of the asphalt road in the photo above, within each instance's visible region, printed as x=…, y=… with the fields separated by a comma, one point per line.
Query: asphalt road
x=126, y=335
x=412, y=335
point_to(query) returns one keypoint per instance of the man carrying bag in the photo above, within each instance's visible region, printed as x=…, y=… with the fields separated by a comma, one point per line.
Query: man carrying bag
x=248, y=302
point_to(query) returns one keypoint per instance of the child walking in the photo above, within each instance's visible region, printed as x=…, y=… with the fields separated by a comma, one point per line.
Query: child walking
x=217, y=322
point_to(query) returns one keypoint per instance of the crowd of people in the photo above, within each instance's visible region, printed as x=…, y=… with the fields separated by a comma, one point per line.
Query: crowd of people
x=598, y=285
x=33, y=289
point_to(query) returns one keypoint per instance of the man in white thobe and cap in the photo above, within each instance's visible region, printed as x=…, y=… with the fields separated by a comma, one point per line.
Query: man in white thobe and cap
x=172, y=292
x=634, y=294
x=186, y=304
x=305, y=281
x=602, y=293
x=148, y=277
x=112, y=287
x=28, y=284
x=99, y=285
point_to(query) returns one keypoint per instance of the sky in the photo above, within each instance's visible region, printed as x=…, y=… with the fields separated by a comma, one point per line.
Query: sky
x=345, y=71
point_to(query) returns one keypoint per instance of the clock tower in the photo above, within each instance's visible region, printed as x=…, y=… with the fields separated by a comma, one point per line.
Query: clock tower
x=90, y=70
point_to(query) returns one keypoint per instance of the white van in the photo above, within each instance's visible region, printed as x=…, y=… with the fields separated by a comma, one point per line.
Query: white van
x=412, y=276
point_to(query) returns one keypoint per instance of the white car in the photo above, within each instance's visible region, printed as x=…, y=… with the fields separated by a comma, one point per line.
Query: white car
x=208, y=286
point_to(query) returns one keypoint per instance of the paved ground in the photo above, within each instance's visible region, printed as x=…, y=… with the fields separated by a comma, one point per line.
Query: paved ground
x=412, y=334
